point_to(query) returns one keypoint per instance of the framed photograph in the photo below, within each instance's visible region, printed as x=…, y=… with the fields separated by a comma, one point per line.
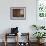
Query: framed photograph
x=18, y=13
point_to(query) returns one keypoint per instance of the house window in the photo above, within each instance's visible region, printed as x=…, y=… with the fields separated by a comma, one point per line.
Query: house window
x=41, y=8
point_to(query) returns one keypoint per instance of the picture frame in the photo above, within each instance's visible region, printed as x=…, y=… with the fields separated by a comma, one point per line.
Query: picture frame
x=18, y=13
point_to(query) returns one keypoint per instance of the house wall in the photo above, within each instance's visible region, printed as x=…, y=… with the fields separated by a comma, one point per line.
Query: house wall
x=24, y=25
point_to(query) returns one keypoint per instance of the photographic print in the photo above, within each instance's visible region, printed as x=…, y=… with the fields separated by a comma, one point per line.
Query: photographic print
x=17, y=13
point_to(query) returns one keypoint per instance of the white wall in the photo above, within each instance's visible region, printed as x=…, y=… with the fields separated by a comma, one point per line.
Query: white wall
x=24, y=25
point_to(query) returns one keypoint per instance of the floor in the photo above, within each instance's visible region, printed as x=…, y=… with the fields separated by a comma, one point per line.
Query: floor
x=13, y=44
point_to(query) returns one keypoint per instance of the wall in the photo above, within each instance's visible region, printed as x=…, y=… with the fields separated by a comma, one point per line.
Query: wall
x=24, y=25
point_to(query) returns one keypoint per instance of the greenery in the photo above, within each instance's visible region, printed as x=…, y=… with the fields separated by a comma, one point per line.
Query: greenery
x=42, y=10
x=40, y=27
x=34, y=26
x=39, y=35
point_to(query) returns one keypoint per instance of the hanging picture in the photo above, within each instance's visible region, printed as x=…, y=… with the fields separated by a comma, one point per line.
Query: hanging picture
x=17, y=13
